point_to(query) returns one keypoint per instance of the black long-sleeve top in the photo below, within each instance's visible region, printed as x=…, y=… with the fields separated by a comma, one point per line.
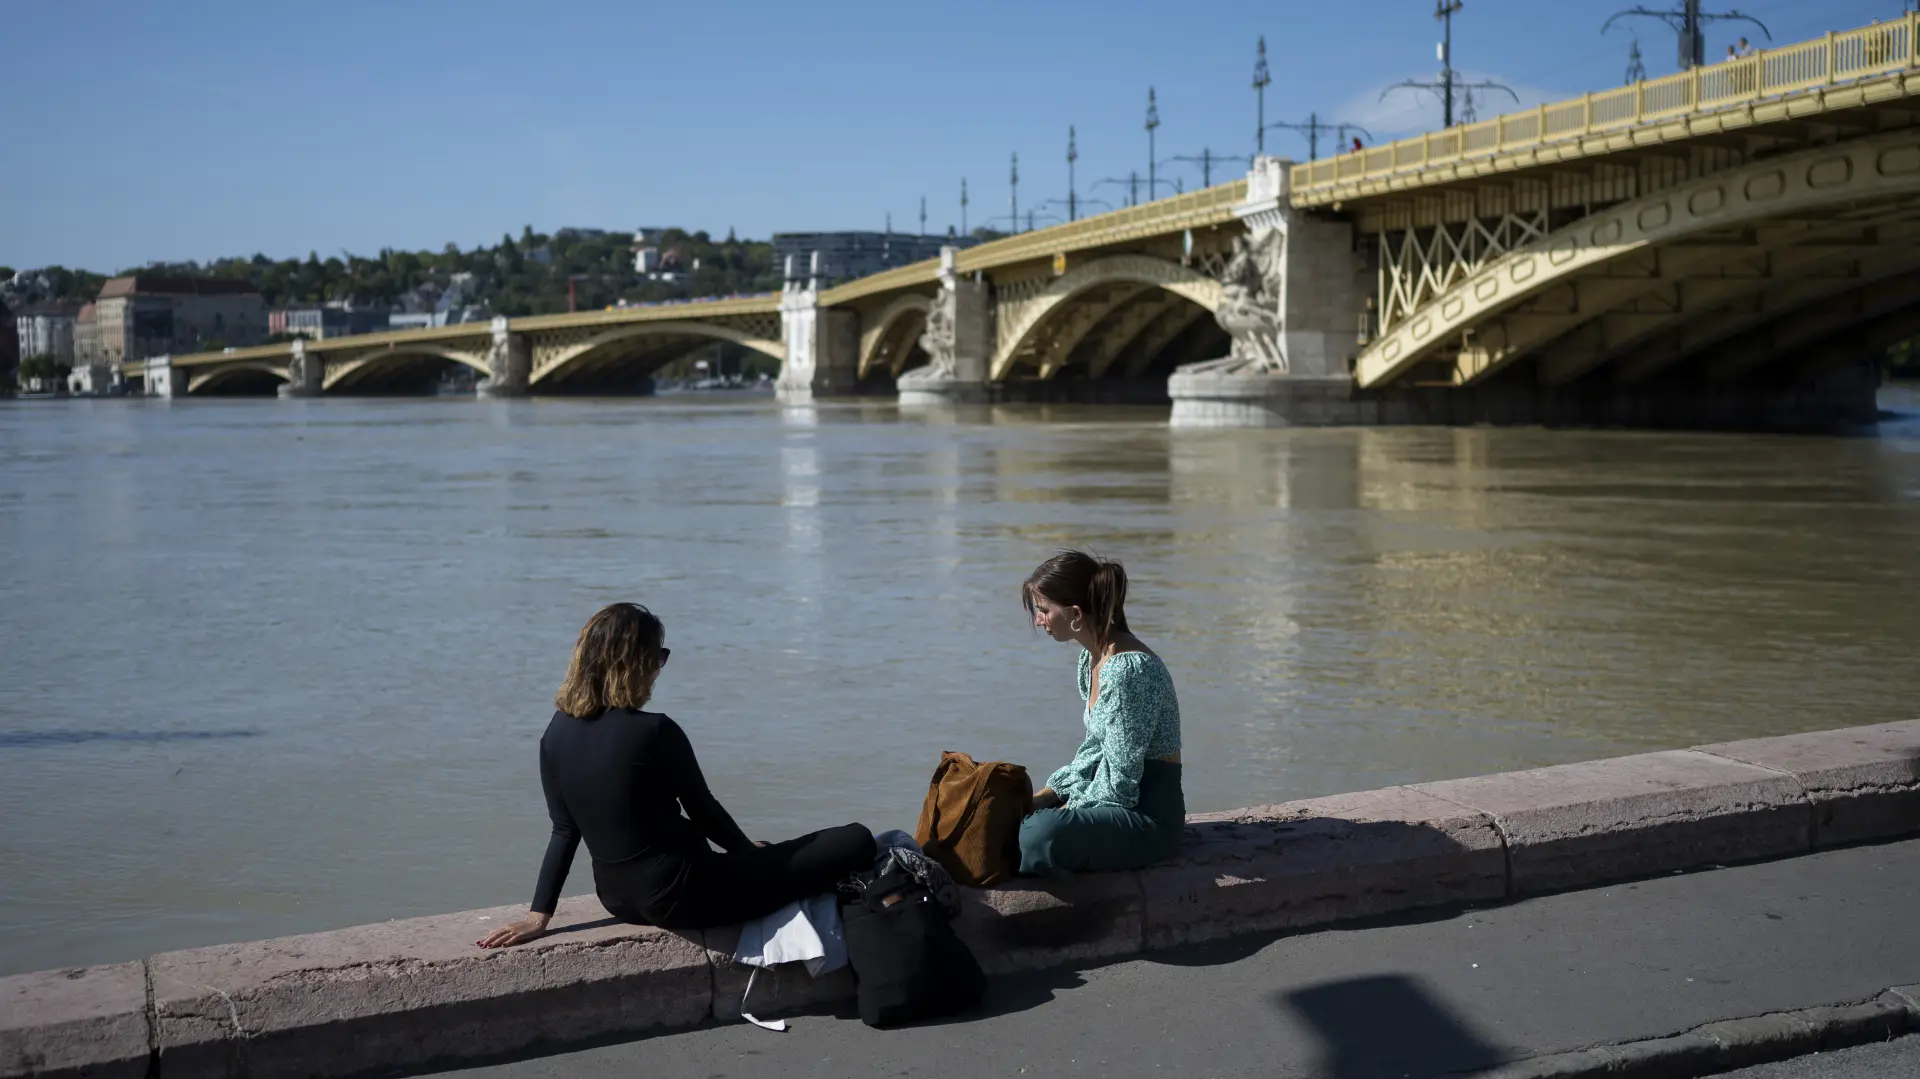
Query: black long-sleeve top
x=620, y=780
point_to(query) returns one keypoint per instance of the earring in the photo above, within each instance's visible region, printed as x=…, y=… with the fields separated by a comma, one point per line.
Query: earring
x=1074, y=625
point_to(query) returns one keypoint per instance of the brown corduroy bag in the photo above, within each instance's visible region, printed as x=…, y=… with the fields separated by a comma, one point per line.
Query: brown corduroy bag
x=970, y=822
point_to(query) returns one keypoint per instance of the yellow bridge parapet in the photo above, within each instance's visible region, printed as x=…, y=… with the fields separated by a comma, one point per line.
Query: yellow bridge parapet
x=1196, y=209
x=1793, y=81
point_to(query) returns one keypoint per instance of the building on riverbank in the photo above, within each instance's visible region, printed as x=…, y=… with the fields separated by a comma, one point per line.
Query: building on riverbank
x=319, y=322
x=143, y=315
x=845, y=256
x=46, y=329
x=9, y=350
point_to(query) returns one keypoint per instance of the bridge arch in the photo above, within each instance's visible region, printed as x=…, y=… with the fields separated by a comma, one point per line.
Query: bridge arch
x=387, y=367
x=570, y=360
x=891, y=337
x=238, y=378
x=1597, y=264
x=1046, y=329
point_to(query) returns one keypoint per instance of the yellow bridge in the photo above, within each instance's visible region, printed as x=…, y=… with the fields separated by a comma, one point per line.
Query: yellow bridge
x=1726, y=239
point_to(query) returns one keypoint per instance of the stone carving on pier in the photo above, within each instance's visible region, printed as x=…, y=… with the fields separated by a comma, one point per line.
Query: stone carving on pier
x=305, y=371
x=509, y=362
x=297, y=366
x=1250, y=304
x=938, y=339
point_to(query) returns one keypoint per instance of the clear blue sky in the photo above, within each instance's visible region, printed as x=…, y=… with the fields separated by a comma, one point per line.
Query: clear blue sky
x=194, y=129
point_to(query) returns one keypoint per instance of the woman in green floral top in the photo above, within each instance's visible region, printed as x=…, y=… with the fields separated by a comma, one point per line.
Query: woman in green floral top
x=1117, y=804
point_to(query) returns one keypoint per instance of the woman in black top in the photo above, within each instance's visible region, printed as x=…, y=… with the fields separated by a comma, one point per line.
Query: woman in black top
x=619, y=778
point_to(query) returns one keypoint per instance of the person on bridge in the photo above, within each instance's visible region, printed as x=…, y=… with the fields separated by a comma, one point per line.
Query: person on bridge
x=1118, y=804
x=619, y=777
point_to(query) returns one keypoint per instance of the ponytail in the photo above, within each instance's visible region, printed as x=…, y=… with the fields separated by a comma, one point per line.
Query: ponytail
x=1098, y=586
x=1106, y=604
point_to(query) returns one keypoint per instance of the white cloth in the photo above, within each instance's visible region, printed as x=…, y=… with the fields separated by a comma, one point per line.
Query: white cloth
x=809, y=931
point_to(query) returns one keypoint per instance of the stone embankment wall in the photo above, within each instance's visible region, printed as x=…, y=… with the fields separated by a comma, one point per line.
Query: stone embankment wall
x=404, y=994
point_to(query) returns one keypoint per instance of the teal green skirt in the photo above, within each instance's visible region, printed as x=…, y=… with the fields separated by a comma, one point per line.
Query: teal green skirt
x=1105, y=839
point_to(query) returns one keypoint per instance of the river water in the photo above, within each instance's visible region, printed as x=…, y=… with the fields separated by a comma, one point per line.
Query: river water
x=279, y=667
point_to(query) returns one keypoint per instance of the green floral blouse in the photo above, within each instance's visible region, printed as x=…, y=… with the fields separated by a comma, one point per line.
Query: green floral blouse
x=1136, y=718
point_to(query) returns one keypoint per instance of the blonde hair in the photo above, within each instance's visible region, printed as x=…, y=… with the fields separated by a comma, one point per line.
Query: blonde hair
x=615, y=662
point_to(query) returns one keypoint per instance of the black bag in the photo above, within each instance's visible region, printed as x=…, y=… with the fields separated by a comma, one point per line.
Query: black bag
x=908, y=963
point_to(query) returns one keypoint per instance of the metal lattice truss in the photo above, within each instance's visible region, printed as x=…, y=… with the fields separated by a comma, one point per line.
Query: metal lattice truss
x=1011, y=302
x=1638, y=284
x=558, y=351
x=359, y=368
x=1126, y=327
x=1419, y=264
x=889, y=337
x=1052, y=345
x=1174, y=319
x=1876, y=307
x=1041, y=321
x=1678, y=315
x=202, y=380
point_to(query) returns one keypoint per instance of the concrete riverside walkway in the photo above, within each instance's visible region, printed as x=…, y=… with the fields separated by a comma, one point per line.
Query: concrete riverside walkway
x=1412, y=996
x=416, y=993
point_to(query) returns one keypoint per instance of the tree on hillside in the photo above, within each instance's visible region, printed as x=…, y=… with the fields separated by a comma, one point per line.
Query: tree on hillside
x=507, y=277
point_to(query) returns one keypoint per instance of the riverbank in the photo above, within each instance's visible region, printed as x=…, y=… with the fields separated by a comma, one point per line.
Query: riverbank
x=414, y=993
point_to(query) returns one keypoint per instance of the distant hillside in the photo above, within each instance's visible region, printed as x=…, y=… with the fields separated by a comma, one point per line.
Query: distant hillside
x=524, y=276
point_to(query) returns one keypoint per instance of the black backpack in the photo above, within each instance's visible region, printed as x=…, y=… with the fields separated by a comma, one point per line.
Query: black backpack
x=908, y=963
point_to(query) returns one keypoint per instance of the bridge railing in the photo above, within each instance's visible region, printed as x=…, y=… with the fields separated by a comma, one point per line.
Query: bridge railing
x=1194, y=209
x=1837, y=57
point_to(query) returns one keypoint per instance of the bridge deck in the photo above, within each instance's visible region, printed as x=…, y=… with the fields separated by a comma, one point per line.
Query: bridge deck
x=1837, y=72
x=1195, y=209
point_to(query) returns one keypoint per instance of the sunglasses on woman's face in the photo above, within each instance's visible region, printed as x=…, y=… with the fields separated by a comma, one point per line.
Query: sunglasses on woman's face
x=665, y=654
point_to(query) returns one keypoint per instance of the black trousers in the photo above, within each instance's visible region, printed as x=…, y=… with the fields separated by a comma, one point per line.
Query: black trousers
x=727, y=889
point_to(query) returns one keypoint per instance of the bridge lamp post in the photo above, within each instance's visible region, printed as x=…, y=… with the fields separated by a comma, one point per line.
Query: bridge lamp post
x=1449, y=79
x=963, y=206
x=1690, y=24
x=1073, y=155
x=1260, y=81
x=1444, y=11
x=1013, y=189
x=1153, y=121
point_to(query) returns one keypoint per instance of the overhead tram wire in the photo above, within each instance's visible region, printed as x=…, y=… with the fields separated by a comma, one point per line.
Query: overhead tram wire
x=1314, y=126
x=1206, y=160
x=1449, y=78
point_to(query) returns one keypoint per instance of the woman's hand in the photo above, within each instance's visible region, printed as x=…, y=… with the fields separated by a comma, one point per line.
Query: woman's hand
x=1047, y=799
x=519, y=932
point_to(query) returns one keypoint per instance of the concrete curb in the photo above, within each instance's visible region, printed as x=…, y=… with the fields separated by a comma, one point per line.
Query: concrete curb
x=416, y=993
x=1734, y=1043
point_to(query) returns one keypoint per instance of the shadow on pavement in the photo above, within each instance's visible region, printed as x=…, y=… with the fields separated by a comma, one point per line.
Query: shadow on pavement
x=1386, y=1027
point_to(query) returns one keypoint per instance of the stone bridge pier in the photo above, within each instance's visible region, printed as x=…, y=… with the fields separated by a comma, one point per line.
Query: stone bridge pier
x=509, y=363
x=306, y=371
x=958, y=341
x=1293, y=299
x=822, y=343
